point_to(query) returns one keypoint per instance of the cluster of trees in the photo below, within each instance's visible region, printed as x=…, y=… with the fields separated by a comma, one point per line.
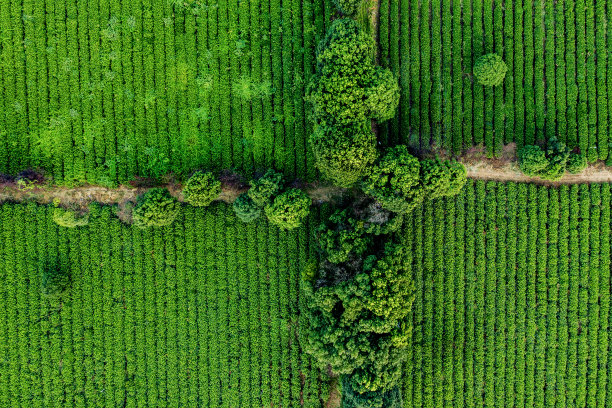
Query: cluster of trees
x=552, y=162
x=285, y=208
x=347, y=92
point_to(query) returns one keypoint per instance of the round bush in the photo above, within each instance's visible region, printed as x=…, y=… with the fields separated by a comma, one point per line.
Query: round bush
x=155, y=208
x=201, y=189
x=69, y=218
x=394, y=181
x=246, y=210
x=343, y=154
x=264, y=189
x=576, y=163
x=557, y=155
x=345, y=46
x=490, y=70
x=348, y=7
x=457, y=177
x=532, y=160
x=383, y=95
x=289, y=209
x=54, y=282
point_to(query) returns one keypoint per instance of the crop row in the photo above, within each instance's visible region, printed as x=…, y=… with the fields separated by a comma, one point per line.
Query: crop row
x=201, y=314
x=513, y=298
x=559, y=80
x=115, y=89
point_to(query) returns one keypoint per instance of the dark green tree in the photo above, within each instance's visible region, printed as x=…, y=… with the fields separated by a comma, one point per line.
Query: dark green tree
x=246, y=209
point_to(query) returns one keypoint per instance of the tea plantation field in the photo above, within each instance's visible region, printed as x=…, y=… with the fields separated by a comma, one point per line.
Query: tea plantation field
x=559, y=80
x=107, y=90
x=512, y=300
x=200, y=314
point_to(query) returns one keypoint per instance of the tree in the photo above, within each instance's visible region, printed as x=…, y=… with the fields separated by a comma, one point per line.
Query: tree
x=343, y=154
x=54, y=282
x=378, y=399
x=490, y=70
x=348, y=7
x=289, y=209
x=576, y=163
x=265, y=188
x=359, y=326
x=382, y=94
x=155, y=208
x=201, y=189
x=442, y=178
x=532, y=160
x=246, y=209
x=394, y=181
x=68, y=218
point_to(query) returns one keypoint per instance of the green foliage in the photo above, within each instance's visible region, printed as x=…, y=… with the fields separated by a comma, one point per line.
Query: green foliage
x=343, y=154
x=345, y=48
x=54, y=282
x=289, y=209
x=532, y=160
x=395, y=181
x=246, y=209
x=155, y=208
x=490, y=70
x=442, y=178
x=382, y=95
x=265, y=188
x=69, y=218
x=343, y=236
x=348, y=7
x=377, y=399
x=201, y=189
x=576, y=163
x=358, y=326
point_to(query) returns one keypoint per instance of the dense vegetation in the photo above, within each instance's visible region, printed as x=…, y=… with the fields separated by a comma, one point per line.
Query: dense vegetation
x=557, y=84
x=512, y=303
x=204, y=313
x=117, y=88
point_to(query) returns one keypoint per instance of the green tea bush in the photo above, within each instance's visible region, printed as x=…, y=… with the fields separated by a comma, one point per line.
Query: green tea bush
x=343, y=154
x=576, y=163
x=265, y=188
x=201, y=189
x=54, y=282
x=246, y=209
x=155, y=208
x=490, y=70
x=289, y=209
x=394, y=181
x=68, y=218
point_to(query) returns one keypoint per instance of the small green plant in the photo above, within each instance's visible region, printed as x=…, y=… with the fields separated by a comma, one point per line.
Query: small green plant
x=69, y=218
x=54, y=282
x=289, y=209
x=576, y=163
x=490, y=70
x=265, y=188
x=201, y=189
x=246, y=209
x=155, y=208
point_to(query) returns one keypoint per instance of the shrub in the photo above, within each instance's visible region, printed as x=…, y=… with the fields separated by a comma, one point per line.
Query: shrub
x=343, y=154
x=246, y=209
x=201, y=189
x=532, y=160
x=576, y=163
x=289, y=209
x=394, y=181
x=345, y=47
x=442, y=178
x=383, y=95
x=54, y=282
x=155, y=208
x=69, y=218
x=348, y=7
x=458, y=177
x=557, y=154
x=264, y=189
x=490, y=70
